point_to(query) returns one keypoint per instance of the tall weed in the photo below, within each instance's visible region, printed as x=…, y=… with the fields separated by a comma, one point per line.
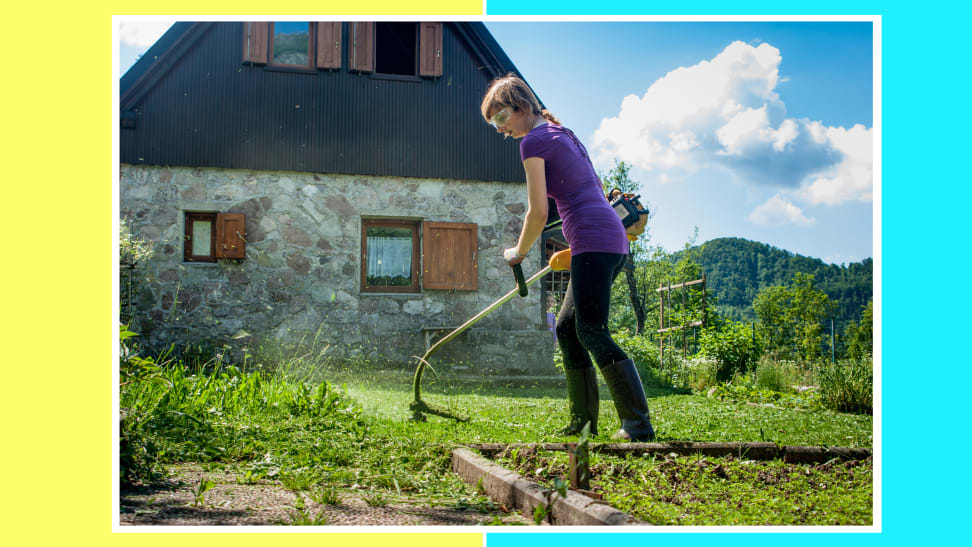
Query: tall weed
x=847, y=385
x=782, y=376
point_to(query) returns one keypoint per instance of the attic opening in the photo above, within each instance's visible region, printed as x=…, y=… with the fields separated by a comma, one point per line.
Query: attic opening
x=396, y=48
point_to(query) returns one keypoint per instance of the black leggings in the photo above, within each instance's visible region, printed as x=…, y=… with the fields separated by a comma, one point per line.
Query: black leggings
x=582, y=325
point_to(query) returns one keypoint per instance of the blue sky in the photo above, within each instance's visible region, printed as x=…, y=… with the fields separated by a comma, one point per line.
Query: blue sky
x=760, y=130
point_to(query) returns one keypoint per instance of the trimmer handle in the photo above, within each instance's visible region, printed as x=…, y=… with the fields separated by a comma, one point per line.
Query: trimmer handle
x=520, y=280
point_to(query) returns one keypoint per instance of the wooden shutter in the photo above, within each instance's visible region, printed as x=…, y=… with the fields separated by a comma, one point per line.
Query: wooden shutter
x=361, y=47
x=255, y=42
x=449, y=256
x=430, y=49
x=329, y=44
x=230, y=235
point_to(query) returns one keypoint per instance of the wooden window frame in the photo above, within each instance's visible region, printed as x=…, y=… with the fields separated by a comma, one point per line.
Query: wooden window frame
x=311, y=48
x=193, y=216
x=413, y=225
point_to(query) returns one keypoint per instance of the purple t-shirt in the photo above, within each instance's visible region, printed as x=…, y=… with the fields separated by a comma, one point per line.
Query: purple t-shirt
x=590, y=224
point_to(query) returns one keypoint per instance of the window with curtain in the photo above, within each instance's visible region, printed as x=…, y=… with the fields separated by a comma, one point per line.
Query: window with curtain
x=390, y=257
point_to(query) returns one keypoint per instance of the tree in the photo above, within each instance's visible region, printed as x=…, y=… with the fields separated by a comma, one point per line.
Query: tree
x=791, y=317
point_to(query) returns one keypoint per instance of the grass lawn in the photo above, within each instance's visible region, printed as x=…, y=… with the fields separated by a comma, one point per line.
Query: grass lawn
x=353, y=432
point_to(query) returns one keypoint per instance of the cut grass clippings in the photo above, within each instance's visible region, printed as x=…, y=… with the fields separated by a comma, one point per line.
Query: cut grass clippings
x=670, y=490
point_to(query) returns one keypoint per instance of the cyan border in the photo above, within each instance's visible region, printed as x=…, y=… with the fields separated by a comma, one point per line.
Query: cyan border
x=923, y=100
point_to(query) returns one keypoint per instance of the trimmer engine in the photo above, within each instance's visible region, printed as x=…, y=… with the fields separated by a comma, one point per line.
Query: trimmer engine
x=627, y=206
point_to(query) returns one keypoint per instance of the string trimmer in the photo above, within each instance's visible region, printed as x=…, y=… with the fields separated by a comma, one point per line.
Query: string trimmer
x=629, y=209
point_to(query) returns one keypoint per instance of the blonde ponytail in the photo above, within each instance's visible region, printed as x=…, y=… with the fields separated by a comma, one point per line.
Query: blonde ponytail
x=549, y=117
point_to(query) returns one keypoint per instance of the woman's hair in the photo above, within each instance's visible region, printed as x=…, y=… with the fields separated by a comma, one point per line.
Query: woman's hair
x=511, y=91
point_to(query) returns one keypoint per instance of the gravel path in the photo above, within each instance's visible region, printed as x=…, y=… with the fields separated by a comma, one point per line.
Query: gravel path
x=268, y=503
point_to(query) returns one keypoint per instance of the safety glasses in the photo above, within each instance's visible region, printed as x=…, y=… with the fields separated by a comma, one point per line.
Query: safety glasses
x=501, y=118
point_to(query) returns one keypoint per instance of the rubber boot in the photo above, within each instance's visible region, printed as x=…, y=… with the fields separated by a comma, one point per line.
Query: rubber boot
x=624, y=383
x=583, y=400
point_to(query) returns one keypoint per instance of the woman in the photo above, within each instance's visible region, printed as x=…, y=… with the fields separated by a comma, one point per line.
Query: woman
x=557, y=165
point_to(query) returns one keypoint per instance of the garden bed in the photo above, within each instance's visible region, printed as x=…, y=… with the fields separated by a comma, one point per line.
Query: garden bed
x=688, y=487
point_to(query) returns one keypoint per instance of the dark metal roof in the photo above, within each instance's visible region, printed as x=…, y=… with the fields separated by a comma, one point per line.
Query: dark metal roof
x=194, y=102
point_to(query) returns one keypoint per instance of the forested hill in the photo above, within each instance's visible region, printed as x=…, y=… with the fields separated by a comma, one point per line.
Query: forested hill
x=737, y=269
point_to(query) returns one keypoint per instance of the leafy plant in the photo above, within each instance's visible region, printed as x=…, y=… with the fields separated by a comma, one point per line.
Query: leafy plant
x=733, y=346
x=640, y=348
x=204, y=486
x=540, y=514
x=302, y=517
x=326, y=495
x=480, y=503
x=297, y=480
x=375, y=499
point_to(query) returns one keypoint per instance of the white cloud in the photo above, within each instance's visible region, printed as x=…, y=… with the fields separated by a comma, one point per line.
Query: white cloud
x=726, y=112
x=142, y=34
x=777, y=211
x=852, y=178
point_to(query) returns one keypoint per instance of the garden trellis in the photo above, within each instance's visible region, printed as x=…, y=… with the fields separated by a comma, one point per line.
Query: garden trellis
x=663, y=328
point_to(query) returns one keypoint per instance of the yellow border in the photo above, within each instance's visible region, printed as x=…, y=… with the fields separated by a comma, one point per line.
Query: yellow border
x=59, y=288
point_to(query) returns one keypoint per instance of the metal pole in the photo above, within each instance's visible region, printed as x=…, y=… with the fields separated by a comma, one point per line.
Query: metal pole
x=833, y=349
x=661, y=326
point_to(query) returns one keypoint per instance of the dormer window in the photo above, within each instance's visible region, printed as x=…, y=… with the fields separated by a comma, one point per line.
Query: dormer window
x=395, y=49
x=291, y=44
x=392, y=50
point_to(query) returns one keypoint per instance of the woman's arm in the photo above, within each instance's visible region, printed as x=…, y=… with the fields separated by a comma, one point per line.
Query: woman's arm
x=536, y=214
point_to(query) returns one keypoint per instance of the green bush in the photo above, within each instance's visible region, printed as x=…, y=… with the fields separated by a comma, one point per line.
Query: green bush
x=847, y=385
x=732, y=346
x=644, y=353
x=140, y=456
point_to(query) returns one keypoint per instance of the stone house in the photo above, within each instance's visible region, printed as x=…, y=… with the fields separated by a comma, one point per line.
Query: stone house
x=327, y=181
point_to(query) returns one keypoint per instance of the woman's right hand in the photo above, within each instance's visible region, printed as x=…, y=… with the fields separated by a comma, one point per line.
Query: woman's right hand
x=512, y=256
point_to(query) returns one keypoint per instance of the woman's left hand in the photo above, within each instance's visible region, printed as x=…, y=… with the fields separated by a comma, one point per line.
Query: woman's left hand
x=512, y=256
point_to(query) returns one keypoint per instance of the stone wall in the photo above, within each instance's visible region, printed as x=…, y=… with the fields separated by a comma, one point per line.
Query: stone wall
x=301, y=275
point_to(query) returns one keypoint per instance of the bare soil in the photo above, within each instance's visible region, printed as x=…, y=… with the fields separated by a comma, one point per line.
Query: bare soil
x=228, y=503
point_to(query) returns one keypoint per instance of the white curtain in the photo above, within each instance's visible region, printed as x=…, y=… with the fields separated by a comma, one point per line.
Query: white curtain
x=390, y=256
